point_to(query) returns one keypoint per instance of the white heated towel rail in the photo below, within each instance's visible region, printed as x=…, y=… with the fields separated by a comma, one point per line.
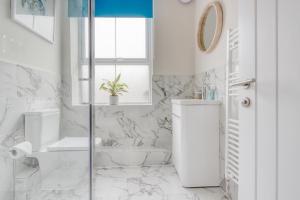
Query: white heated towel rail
x=232, y=113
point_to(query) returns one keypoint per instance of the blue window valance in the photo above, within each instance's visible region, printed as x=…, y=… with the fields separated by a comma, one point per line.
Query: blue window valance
x=113, y=8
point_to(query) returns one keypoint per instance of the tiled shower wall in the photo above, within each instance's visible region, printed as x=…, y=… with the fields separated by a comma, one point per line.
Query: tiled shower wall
x=22, y=89
x=135, y=134
x=141, y=135
x=144, y=132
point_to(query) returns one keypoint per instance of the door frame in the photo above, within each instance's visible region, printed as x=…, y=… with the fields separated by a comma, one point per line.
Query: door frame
x=247, y=115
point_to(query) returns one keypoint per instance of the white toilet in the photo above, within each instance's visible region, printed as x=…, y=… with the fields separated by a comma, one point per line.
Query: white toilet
x=54, y=154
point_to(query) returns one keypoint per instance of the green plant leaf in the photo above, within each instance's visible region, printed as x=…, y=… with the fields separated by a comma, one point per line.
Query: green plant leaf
x=102, y=87
x=114, y=87
x=118, y=78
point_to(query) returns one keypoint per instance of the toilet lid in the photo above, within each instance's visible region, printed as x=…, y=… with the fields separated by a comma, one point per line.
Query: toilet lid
x=72, y=144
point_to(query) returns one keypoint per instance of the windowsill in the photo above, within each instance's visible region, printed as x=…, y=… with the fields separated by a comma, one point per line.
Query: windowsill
x=119, y=105
x=123, y=105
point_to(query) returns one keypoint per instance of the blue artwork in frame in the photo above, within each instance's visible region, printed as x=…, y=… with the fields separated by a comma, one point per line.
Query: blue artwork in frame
x=36, y=15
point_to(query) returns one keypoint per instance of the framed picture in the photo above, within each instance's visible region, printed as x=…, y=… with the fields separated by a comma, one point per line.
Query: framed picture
x=36, y=15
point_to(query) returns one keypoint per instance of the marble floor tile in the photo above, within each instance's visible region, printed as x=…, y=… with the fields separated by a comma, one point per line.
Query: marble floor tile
x=133, y=183
x=147, y=183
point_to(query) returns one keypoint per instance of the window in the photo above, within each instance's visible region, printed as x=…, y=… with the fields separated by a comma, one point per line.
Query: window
x=122, y=46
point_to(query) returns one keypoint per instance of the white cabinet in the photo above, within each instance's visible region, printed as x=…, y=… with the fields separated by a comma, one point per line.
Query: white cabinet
x=196, y=142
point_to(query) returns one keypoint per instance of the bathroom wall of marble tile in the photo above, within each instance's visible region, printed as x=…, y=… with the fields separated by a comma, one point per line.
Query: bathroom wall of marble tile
x=22, y=89
x=132, y=135
x=142, y=133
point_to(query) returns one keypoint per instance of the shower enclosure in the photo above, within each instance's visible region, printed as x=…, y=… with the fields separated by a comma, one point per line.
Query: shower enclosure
x=57, y=131
x=44, y=100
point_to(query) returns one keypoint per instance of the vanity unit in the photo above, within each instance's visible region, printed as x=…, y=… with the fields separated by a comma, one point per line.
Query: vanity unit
x=196, y=142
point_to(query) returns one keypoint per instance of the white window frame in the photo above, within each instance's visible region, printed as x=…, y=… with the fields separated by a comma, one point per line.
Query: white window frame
x=119, y=61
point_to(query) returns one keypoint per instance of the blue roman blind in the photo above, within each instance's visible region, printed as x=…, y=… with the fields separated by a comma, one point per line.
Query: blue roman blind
x=113, y=8
x=77, y=8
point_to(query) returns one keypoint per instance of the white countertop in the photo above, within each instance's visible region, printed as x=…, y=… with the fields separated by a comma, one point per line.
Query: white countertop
x=194, y=102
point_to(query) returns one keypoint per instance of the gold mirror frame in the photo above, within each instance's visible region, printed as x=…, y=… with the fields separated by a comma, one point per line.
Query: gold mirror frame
x=217, y=7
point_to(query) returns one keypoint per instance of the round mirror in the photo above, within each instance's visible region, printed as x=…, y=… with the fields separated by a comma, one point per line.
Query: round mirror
x=210, y=27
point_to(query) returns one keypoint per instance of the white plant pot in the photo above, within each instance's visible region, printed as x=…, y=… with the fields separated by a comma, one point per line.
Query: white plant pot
x=113, y=100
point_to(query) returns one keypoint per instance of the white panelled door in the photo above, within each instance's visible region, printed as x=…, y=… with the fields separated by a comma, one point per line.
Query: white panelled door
x=270, y=127
x=247, y=117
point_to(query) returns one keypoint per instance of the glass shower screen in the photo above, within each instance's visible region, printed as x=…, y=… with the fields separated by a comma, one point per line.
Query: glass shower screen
x=44, y=100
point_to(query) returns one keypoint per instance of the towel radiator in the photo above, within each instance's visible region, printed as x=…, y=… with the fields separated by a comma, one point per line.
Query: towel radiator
x=233, y=86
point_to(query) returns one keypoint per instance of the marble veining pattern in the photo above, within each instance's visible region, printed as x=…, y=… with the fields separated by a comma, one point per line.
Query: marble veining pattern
x=22, y=89
x=116, y=157
x=144, y=127
x=132, y=183
x=145, y=131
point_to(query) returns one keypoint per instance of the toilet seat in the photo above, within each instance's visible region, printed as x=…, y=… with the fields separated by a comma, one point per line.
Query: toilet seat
x=71, y=144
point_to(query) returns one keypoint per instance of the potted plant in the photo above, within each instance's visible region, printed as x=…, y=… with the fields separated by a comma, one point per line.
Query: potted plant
x=114, y=88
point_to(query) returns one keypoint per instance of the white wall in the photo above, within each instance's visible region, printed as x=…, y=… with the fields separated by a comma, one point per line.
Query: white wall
x=174, y=38
x=29, y=49
x=217, y=58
